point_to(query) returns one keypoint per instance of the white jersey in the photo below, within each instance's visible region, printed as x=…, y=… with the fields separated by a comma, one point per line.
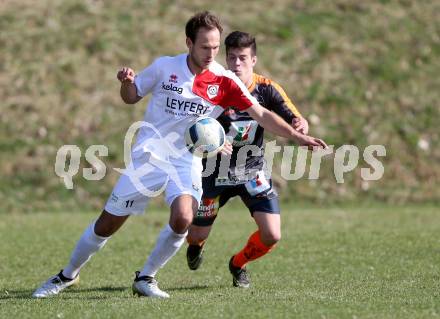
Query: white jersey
x=178, y=96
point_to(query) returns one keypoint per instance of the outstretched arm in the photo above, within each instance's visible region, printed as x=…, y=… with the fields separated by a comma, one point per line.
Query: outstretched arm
x=275, y=124
x=281, y=104
x=128, y=89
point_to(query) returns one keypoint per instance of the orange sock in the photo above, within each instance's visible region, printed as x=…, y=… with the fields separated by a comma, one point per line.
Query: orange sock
x=254, y=249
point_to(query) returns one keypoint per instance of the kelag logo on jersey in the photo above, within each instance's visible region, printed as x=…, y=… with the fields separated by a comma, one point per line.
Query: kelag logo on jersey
x=170, y=87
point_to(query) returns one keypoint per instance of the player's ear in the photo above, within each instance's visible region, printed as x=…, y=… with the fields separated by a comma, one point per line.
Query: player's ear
x=254, y=60
x=189, y=43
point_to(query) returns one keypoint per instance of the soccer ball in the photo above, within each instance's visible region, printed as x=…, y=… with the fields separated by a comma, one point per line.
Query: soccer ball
x=205, y=137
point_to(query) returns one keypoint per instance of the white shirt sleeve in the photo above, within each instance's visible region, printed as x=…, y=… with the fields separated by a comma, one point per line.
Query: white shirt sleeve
x=147, y=79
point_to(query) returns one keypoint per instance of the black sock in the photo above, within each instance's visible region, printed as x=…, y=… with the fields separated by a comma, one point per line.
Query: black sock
x=64, y=278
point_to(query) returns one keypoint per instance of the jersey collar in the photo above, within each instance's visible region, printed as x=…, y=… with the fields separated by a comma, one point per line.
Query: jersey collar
x=253, y=84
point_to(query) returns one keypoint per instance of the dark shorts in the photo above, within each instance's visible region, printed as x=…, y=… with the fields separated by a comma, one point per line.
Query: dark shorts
x=257, y=195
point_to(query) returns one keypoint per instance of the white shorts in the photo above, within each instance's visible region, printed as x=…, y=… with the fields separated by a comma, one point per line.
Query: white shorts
x=131, y=194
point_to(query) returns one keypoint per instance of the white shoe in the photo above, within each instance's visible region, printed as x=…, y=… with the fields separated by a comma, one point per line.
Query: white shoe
x=53, y=286
x=145, y=286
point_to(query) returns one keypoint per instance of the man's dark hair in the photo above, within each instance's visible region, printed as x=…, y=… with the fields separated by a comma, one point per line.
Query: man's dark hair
x=240, y=40
x=200, y=20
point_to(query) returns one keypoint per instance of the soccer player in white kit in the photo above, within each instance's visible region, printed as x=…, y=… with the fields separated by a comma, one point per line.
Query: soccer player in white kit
x=183, y=87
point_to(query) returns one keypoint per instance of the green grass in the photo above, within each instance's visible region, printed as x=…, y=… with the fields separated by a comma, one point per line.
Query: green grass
x=376, y=262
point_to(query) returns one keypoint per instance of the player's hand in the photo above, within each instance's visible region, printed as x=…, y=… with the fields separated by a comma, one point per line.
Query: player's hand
x=311, y=142
x=227, y=149
x=301, y=125
x=126, y=75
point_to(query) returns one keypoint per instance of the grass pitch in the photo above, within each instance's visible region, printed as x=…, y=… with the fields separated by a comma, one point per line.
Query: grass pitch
x=380, y=262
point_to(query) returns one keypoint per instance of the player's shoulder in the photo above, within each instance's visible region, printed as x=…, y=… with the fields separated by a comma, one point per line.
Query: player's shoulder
x=262, y=80
x=219, y=69
x=265, y=82
x=167, y=66
x=224, y=74
x=216, y=67
x=167, y=60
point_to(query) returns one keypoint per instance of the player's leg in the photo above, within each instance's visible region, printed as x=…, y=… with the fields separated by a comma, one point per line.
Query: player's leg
x=172, y=235
x=200, y=228
x=196, y=242
x=183, y=194
x=269, y=227
x=170, y=239
x=92, y=240
x=261, y=241
x=264, y=207
x=197, y=235
x=123, y=201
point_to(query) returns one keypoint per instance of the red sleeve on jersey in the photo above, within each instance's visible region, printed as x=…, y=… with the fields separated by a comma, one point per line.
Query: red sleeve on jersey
x=235, y=96
x=220, y=90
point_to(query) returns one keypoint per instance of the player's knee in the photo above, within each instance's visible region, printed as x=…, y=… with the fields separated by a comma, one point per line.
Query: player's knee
x=181, y=223
x=270, y=238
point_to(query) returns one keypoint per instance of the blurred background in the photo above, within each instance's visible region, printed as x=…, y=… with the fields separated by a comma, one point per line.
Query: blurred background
x=361, y=72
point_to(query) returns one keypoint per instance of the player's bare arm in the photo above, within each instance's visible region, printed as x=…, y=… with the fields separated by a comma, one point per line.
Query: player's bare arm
x=128, y=89
x=276, y=125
